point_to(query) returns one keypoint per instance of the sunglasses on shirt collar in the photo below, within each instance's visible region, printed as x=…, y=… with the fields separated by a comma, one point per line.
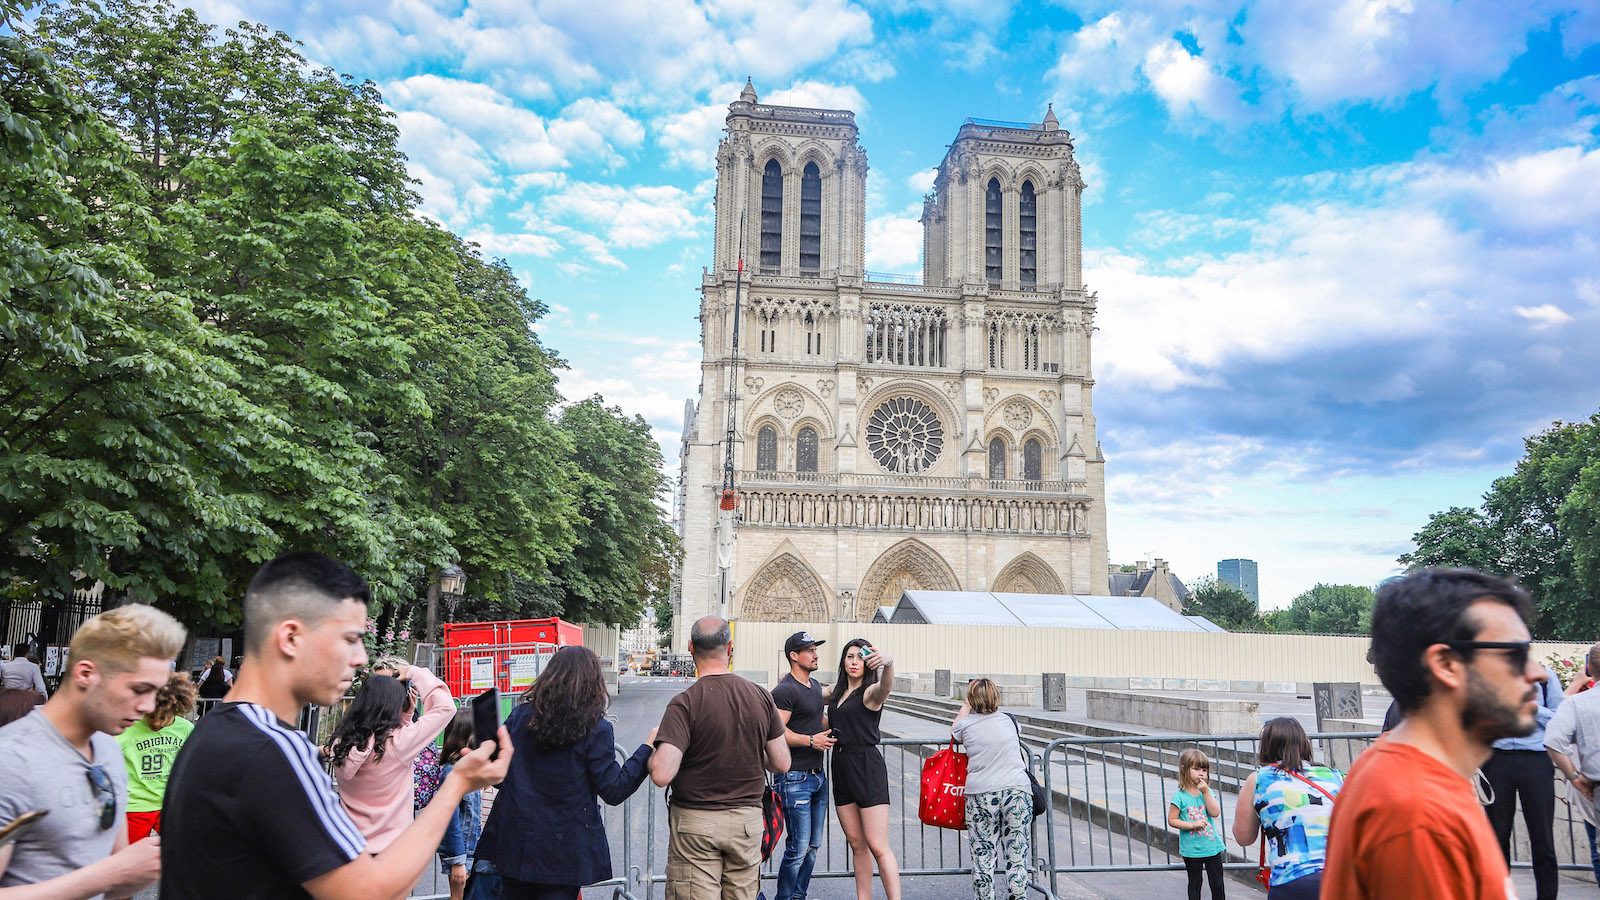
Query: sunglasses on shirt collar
x=105, y=793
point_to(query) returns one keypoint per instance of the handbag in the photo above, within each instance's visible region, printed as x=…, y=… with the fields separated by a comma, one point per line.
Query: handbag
x=1264, y=873
x=1041, y=800
x=772, y=820
x=942, y=801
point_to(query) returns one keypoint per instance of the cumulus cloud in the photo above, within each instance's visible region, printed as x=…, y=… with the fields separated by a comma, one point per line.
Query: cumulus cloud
x=1188, y=84
x=894, y=242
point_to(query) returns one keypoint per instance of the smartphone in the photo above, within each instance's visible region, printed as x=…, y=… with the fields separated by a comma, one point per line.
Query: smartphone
x=866, y=651
x=486, y=719
x=21, y=825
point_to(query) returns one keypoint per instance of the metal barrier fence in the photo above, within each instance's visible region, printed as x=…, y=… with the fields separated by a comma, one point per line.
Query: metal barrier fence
x=1107, y=814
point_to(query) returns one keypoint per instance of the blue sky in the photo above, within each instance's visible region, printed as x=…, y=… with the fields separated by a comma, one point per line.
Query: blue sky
x=1347, y=251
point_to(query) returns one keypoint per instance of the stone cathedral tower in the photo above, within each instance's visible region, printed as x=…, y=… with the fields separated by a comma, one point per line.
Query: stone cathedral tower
x=893, y=434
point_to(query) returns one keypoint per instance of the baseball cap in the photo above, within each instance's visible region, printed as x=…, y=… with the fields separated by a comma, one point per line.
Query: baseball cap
x=800, y=640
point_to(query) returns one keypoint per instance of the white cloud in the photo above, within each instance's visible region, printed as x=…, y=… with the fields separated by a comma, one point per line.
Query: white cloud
x=819, y=94
x=1188, y=84
x=1545, y=315
x=593, y=128
x=520, y=244
x=894, y=242
x=638, y=216
x=922, y=181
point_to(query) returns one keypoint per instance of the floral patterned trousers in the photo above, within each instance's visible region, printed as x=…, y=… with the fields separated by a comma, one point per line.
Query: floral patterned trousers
x=1002, y=818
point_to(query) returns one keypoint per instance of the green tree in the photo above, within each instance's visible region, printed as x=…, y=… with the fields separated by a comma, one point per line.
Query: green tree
x=1327, y=609
x=1459, y=536
x=1223, y=604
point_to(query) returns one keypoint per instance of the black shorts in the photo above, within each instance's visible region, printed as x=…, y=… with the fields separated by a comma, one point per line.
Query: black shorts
x=860, y=777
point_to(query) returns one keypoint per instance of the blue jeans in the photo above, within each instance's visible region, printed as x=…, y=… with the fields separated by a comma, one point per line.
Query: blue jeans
x=805, y=814
x=1594, y=853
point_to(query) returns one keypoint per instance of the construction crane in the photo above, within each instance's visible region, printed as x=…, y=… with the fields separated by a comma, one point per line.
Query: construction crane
x=728, y=499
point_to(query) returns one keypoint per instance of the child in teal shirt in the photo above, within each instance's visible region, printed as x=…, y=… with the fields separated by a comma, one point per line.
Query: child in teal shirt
x=1194, y=811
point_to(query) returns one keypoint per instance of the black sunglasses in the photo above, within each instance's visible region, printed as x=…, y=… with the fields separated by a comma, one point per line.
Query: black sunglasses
x=106, y=793
x=1517, y=652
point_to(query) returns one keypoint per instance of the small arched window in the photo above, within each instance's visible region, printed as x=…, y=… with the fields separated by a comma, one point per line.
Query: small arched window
x=1032, y=460
x=772, y=216
x=997, y=459
x=805, y=450
x=811, y=220
x=767, y=449
x=991, y=231
x=1028, y=228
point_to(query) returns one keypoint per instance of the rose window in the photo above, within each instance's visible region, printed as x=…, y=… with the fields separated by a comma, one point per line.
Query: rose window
x=904, y=435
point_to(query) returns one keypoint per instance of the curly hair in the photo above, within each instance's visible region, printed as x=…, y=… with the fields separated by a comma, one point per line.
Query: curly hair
x=375, y=713
x=173, y=699
x=568, y=699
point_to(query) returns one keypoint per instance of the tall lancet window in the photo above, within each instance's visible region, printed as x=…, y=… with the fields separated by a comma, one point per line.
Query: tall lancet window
x=805, y=450
x=811, y=220
x=1028, y=244
x=766, y=449
x=772, y=216
x=1032, y=460
x=991, y=232
x=997, y=459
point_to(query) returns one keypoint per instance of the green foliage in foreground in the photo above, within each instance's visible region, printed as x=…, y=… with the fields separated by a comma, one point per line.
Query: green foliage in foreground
x=225, y=332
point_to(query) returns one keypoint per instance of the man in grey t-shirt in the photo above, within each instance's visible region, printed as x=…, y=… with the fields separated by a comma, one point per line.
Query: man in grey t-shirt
x=1572, y=738
x=62, y=760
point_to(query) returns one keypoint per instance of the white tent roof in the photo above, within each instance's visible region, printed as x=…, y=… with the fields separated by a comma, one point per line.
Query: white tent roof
x=1041, y=611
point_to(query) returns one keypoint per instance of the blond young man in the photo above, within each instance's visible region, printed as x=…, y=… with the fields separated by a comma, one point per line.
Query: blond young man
x=63, y=758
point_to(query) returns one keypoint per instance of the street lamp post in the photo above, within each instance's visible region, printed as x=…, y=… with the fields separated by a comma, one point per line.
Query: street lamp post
x=452, y=582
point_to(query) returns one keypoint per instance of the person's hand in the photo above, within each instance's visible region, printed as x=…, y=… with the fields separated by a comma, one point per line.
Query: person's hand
x=824, y=740
x=135, y=868
x=1584, y=786
x=651, y=737
x=458, y=877
x=878, y=659
x=478, y=770
x=1205, y=785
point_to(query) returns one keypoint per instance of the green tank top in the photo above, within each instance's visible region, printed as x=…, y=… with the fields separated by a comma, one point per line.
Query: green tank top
x=149, y=755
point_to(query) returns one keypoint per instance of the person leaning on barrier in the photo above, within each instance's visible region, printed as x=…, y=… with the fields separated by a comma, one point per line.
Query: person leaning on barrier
x=715, y=740
x=63, y=758
x=999, y=798
x=249, y=810
x=1452, y=647
x=566, y=763
x=1572, y=738
x=804, y=787
x=1289, y=802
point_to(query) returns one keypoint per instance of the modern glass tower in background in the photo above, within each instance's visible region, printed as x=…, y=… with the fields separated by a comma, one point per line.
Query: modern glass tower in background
x=1241, y=573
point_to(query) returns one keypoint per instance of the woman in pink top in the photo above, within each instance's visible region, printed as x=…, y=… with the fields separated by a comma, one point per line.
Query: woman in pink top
x=375, y=744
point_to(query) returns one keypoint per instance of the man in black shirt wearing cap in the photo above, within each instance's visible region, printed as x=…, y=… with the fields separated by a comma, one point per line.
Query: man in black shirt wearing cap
x=804, y=787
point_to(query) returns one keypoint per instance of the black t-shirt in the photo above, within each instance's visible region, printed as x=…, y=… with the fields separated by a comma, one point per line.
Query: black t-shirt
x=250, y=812
x=804, y=705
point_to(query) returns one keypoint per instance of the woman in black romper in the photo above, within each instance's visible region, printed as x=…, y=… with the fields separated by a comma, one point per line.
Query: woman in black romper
x=860, y=778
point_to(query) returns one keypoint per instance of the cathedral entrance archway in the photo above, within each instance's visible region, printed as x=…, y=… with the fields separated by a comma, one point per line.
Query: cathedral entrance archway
x=908, y=565
x=784, y=590
x=1027, y=574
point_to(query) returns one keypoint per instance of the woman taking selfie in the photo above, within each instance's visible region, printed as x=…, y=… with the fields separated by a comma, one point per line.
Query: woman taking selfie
x=545, y=835
x=860, y=778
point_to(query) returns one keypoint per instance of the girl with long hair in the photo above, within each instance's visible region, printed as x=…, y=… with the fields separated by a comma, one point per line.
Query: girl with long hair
x=1193, y=811
x=373, y=747
x=1289, y=803
x=149, y=747
x=860, y=778
x=564, y=761
x=460, y=844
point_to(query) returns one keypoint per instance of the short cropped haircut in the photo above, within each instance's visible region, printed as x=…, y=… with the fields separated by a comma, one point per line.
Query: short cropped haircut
x=982, y=696
x=303, y=586
x=1591, y=663
x=118, y=638
x=706, y=643
x=1425, y=608
x=1284, y=743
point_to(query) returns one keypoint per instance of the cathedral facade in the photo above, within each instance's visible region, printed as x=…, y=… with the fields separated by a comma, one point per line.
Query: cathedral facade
x=931, y=432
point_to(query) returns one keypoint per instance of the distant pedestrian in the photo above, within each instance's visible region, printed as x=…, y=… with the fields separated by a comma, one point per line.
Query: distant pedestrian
x=215, y=681
x=1452, y=647
x=1584, y=680
x=804, y=787
x=22, y=673
x=1193, y=811
x=250, y=813
x=1572, y=739
x=1520, y=768
x=860, y=777
x=149, y=748
x=374, y=745
x=1289, y=803
x=999, y=797
x=16, y=703
x=566, y=763
x=63, y=757
x=460, y=845
x=716, y=741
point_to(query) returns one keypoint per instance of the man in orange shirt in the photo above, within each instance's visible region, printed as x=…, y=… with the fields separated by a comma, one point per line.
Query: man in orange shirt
x=1452, y=646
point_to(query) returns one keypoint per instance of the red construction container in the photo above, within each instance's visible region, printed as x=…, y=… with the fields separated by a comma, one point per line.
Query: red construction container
x=476, y=656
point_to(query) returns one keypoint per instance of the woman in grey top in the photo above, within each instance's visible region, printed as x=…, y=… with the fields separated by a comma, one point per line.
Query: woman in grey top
x=999, y=799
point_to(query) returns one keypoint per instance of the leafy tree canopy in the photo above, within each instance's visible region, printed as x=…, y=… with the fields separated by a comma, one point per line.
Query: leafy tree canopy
x=1326, y=609
x=1223, y=604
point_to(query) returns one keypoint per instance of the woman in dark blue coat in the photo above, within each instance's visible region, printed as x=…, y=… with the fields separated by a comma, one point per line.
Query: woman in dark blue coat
x=545, y=836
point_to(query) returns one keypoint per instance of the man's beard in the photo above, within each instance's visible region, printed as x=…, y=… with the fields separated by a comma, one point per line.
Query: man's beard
x=1487, y=718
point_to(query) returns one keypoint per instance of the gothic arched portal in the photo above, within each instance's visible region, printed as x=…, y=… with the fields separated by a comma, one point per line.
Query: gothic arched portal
x=908, y=565
x=785, y=590
x=1027, y=574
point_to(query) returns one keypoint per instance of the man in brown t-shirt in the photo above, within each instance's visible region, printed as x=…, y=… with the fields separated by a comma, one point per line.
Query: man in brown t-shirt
x=1452, y=646
x=717, y=741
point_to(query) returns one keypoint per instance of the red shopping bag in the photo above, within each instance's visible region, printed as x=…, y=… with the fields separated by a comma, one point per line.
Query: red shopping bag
x=943, y=803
